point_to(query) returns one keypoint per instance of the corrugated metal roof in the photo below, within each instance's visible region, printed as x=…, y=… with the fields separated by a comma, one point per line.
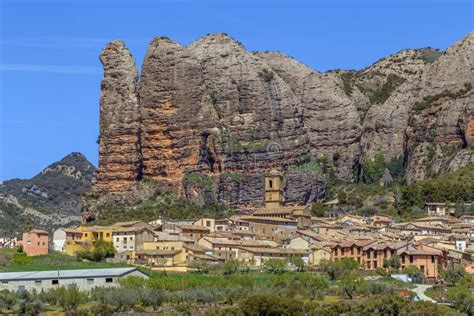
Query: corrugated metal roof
x=65, y=274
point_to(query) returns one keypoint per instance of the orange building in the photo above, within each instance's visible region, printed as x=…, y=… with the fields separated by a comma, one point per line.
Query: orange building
x=428, y=261
x=35, y=242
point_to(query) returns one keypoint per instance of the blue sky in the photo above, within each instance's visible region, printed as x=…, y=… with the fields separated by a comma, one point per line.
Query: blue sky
x=50, y=72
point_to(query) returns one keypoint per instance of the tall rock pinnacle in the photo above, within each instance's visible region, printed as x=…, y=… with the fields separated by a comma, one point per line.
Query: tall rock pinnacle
x=119, y=142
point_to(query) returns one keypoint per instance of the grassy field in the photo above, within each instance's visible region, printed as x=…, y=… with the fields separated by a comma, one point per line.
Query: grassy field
x=14, y=262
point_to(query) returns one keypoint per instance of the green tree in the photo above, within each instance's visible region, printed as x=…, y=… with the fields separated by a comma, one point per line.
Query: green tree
x=269, y=305
x=342, y=197
x=231, y=266
x=318, y=209
x=461, y=296
x=297, y=262
x=374, y=169
x=248, y=264
x=69, y=298
x=335, y=269
x=201, y=266
x=275, y=265
x=393, y=263
x=350, y=282
x=455, y=274
x=412, y=271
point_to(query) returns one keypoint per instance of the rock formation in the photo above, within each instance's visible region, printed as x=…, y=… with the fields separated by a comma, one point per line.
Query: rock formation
x=207, y=120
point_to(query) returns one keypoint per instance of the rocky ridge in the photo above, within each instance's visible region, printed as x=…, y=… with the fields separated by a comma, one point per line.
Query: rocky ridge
x=52, y=198
x=208, y=120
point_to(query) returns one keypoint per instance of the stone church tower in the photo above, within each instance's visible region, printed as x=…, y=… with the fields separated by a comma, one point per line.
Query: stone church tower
x=273, y=189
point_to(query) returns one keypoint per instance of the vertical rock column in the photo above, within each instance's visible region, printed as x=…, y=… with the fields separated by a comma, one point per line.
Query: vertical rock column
x=119, y=144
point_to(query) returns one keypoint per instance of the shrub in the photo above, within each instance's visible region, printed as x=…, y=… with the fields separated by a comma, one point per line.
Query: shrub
x=276, y=265
x=266, y=305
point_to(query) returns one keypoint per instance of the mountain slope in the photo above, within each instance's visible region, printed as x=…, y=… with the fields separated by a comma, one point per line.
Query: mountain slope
x=51, y=198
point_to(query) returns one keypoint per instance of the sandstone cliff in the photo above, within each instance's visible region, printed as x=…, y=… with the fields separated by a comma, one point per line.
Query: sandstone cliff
x=208, y=120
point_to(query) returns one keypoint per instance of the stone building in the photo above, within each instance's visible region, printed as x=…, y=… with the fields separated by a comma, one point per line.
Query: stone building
x=35, y=242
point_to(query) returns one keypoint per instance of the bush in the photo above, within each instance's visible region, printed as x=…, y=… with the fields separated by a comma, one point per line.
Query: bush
x=461, y=296
x=455, y=274
x=266, y=305
x=275, y=265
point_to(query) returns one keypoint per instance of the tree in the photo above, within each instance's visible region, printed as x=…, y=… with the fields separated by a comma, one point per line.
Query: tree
x=267, y=305
x=393, y=263
x=314, y=286
x=201, y=266
x=231, y=266
x=248, y=264
x=412, y=271
x=461, y=297
x=455, y=274
x=297, y=262
x=335, y=269
x=342, y=197
x=102, y=249
x=69, y=298
x=318, y=209
x=275, y=265
x=350, y=282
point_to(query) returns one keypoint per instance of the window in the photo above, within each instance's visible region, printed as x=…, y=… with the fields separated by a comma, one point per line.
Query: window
x=117, y=239
x=403, y=259
x=107, y=234
x=208, y=223
x=270, y=184
x=54, y=282
x=90, y=281
x=4, y=282
x=85, y=235
x=38, y=282
x=43, y=243
x=432, y=259
x=38, y=243
x=368, y=254
x=131, y=238
x=21, y=288
x=375, y=264
x=411, y=259
x=72, y=285
x=109, y=280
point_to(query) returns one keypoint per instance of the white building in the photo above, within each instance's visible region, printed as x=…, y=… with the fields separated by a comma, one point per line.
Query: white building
x=6, y=242
x=84, y=279
x=59, y=240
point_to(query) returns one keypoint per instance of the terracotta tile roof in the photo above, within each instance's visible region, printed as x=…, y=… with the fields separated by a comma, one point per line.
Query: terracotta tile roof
x=156, y=252
x=194, y=227
x=286, y=251
x=38, y=232
x=243, y=243
x=268, y=219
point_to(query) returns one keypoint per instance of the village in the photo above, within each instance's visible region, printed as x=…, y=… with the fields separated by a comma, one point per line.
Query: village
x=431, y=244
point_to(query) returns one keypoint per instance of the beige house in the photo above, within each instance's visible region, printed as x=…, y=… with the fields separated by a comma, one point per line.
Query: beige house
x=209, y=223
x=224, y=248
x=131, y=238
x=317, y=254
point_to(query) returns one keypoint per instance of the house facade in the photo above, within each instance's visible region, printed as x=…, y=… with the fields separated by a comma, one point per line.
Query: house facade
x=35, y=242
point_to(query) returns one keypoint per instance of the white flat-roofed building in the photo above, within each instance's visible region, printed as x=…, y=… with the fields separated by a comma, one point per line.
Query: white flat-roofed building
x=83, y=279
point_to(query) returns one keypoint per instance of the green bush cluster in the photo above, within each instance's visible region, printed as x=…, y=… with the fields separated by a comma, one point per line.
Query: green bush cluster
x=453, y=187
x=431, y=100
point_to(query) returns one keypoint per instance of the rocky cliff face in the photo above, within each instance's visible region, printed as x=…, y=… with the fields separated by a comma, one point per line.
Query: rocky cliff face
x=208, y=120
x=50, y=199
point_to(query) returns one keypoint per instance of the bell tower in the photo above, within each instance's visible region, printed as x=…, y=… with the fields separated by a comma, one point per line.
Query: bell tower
x=273, y=189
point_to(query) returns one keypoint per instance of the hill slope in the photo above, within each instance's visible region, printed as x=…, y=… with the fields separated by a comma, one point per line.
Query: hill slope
x=49, y=199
